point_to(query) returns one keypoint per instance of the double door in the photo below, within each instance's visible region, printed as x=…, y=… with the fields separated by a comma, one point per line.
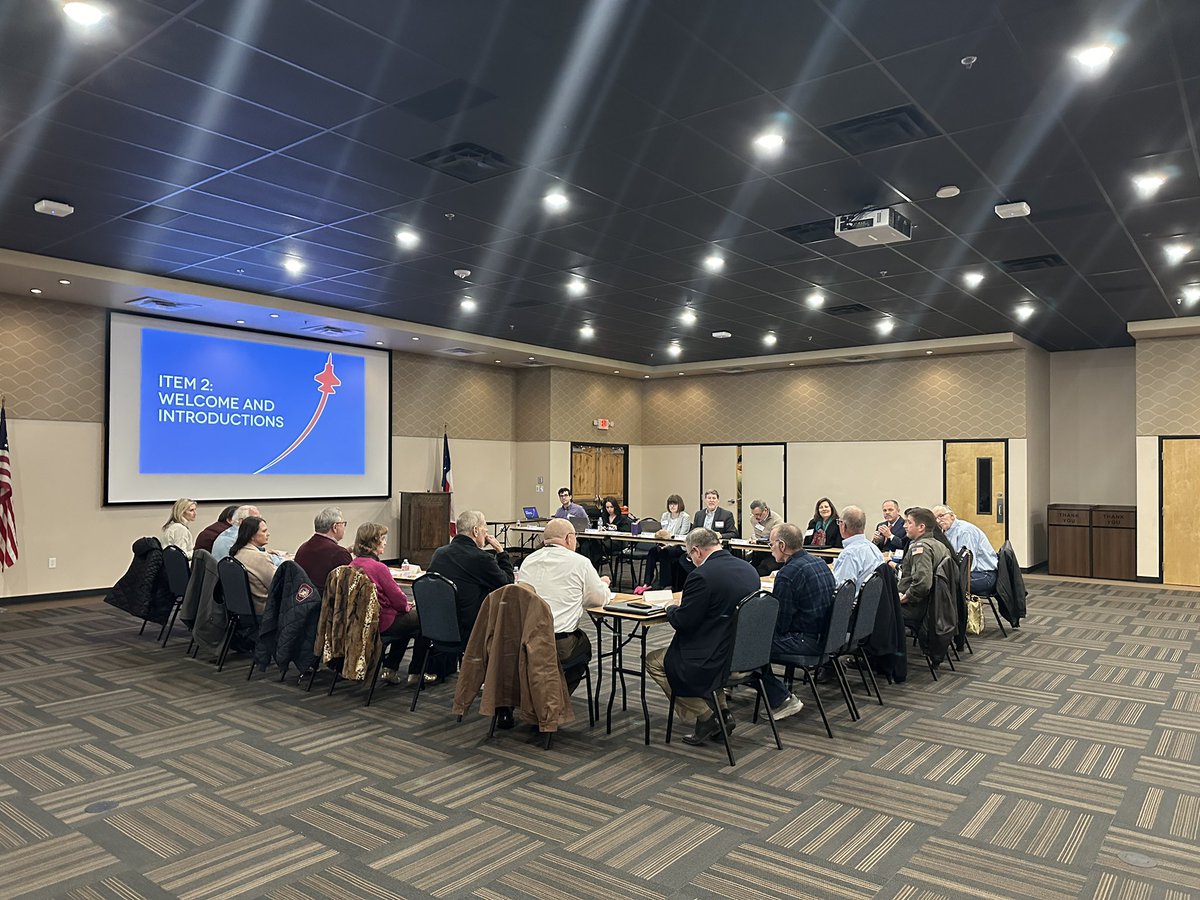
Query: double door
x=598, y=471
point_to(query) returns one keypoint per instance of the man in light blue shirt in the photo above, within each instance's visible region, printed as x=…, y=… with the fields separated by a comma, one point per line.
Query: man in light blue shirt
x=962, y=533
x=569, y=509
x=225, y=540
x=859, y=557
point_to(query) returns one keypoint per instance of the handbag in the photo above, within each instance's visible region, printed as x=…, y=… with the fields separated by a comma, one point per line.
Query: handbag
x=974, y=616
x=818, y=538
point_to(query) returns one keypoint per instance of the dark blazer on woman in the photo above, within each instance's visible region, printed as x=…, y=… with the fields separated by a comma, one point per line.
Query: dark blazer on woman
x=723, y=521
x=703, y=623
x=833, y=534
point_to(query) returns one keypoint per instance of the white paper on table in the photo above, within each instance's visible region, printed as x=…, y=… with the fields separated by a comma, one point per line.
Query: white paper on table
x=657, y=598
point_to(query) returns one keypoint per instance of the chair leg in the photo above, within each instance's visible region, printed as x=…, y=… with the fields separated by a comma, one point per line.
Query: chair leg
x=932, y=667
x=812, y=683
x=336, y=675
x=374, y=677
x=670, y=717
x=549, y=738
x=865, y=665
x=250, y=674
x=996, y=612
x=191, y=644
x=587, y=680
x=950, y=659
x=312, y=676
x=224, y=652
x=421, y=681
x=143, y=628
x=492, y=730
x=844, y=684
x=724, y=729
x=762, y=696
x=283, y=674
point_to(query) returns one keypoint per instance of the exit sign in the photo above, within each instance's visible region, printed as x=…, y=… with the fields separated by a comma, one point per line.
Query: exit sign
x=603, y=424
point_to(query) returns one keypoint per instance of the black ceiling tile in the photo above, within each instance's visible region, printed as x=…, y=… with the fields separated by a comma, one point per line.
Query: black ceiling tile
x=1032, y=147
x=917, y=170
x=1062, y=196
x=124, y=248
x=1163, y=221
x=272, y=256
x=1135, y=295
x=873, y=262
x=844, y=95
x=546, y=255
x=944, y=253
x=1117, y=179
x=607, y=175
x=212, y=206
x=666, y=269
x=768, y=247
x=323, y=182
x=241, y=274
x=338, y=299
x=67, y=172
x=918, y=284
x=1009, y=243
x=639, y=230
x=168, y=236
x=1152, y=121
x=205, y=226
x=1093, y=243
x=681, y=155
x=972, y=212
x=379, y=248
x=585, y=240
x=233, y=67
x=618, y=276
x=766, y=203
x=514, y=202
x=429, y=219
x=486, y=266
x=26, y=93
x=721, y=288
x=263, y=196
x=840, y=187
x=890, y=28
x=702, y=218
x=770, y=281
x=734, y=128
x=821, y=272
x=220, y=114
x=869, y=291
x=314, y=253
x=923, y=220
x=403, y=135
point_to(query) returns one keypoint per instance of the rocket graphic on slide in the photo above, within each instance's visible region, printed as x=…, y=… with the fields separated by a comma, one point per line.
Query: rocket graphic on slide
x=327, y=381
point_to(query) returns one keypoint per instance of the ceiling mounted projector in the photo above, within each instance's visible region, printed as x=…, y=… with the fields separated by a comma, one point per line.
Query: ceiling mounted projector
x=53, y=208
x=873, y=227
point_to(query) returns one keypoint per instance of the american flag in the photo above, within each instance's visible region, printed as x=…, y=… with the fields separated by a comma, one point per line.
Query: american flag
x=447, y=484
x=8, y=523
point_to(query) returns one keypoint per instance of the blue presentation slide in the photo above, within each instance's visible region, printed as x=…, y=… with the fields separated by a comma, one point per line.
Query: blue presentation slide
x=212, y=405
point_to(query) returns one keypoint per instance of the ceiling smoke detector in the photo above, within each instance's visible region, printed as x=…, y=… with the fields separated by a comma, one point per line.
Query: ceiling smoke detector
x=462, y=273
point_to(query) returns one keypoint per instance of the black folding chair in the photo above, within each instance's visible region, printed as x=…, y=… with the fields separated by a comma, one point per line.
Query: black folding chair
x=836, y=641
x=753, y=632
x=636, y=553
x=178, y=569
x=235, y=590
x=437, y=609
x=865, y=611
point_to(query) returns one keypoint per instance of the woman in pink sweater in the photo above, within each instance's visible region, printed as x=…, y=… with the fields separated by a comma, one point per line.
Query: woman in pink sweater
x=398, y=622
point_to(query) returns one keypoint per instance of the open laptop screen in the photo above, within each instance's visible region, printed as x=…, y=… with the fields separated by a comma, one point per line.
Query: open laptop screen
x=531, y=513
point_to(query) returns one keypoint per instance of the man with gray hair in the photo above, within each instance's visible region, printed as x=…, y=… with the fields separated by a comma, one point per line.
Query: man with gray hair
x=961, y=533
x=859, y=557
x=323, y=552
x=693, y=666
x=224, y=541
x=765, y=521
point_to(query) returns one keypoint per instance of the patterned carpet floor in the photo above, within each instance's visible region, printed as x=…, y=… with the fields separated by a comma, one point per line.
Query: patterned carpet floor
x=1062, y=761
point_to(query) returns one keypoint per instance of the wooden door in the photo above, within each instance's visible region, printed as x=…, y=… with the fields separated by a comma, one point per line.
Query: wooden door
x=1180, y=486
x=610, y=472
x=976, y=485
x=584, y=481
x=763, y=471
x=597, y=471
x=719, y=471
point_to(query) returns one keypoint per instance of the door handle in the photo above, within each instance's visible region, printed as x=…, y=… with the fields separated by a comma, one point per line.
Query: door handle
x=1000, y=509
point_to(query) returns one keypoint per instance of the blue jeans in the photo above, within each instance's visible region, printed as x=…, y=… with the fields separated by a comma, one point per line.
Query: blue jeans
x=791, y=644
x=983, y=583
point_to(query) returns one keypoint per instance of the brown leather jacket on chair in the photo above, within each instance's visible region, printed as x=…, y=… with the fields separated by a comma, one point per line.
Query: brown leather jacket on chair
x=349, y=626
x=511, y=654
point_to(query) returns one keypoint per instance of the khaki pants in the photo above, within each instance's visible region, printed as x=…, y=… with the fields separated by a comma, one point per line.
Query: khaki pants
x=689, y=708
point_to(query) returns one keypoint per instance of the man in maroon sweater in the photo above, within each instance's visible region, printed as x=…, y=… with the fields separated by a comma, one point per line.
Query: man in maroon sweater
x=204, y=540
x=321, y=553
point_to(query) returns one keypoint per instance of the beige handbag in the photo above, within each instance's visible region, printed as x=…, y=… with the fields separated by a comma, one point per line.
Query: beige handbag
x=974, y=616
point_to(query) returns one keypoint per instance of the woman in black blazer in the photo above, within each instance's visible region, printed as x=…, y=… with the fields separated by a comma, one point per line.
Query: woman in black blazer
x=612, y=519
x=824, y=528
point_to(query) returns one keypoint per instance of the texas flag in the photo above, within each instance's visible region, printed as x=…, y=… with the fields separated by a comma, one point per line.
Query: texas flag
x=447, y=486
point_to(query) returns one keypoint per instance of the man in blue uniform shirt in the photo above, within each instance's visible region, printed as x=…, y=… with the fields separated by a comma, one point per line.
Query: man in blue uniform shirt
x=859, y=557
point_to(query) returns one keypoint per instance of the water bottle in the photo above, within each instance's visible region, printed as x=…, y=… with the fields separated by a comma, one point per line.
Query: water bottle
x=405, y=567
x=599, y=523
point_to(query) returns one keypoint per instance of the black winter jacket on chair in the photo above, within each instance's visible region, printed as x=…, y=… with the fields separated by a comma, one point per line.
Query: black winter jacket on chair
x=288, y=628
x=143, y=591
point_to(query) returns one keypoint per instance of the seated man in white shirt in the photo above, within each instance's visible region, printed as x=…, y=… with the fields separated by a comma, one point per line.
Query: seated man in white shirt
x=569, y=584
x=961, y=533
x=859, y=557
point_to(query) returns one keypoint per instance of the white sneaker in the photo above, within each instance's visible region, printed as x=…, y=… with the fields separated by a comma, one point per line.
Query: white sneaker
x=788, y=707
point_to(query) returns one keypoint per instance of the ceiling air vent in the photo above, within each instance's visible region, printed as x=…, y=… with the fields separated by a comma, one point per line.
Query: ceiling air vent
x=445, y=100
x=848, y=309
x=810, y=232
x=880, y=130
x=158, y=304
x=1031, y=263
x=854, y=359
x=734, y=370
x=330, y=331
x=461, y=351
x=466, y=161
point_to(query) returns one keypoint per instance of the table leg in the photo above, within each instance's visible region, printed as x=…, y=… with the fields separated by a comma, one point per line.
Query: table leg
x=612, y=688
x=645, y=709
x=599, y=623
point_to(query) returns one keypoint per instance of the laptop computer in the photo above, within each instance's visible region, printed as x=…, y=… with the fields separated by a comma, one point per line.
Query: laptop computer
x=531, y=514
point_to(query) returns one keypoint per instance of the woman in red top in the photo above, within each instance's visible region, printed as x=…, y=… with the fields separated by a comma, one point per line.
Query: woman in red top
x=398, y=622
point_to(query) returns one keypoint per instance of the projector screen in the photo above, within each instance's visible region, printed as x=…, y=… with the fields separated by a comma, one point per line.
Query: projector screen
x=219, y=414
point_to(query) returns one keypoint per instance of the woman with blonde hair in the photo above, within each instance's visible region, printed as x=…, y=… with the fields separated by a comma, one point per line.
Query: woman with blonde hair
x=175, y=530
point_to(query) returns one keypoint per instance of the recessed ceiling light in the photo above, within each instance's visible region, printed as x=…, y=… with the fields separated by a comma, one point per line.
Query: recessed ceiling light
x=885, y=326
x=769, y=143
x=645, y=376
x=687, y=316
x=587, y=331
x=972, y=279
x=532, y=358
x=1024, y=311
x=674, y=349
x=64, y=281
x=467, y=304
x=379, y=343
x=576, y=286
x=35, y=290
x=714, y=263
x=293, y=265
x=555, y=201
x=929, y=353
x=791, y=364
x=815, y=300
x=1094, y=59
x=83, y=13
x=415, y=338
x=407, y=238
x=497, y=360
x=1177, y=252
x=947, y=191
x=616, y=371
x=722, y=335
x=1148, y=183
x=769, y=339
x=239, y=322
x=1191, y=293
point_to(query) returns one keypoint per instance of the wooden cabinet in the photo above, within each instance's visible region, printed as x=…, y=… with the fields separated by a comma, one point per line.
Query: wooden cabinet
x=424, y=526
x=1114, y=542
x=1070, y=526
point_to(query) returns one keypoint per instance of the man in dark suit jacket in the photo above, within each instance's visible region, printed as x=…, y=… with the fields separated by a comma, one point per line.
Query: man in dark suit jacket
x=713, y=517
x=889, y=534
x=694, y=664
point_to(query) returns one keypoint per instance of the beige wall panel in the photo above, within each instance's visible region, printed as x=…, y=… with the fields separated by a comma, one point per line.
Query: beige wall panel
x=1092, y=446
x=482, y=472
x=1037, y=461
x=560, y=464
x=665, y=470
x=52, y=364
x=1168, y=385
x=976, y=395
x=718, y=472
x=531, y=468
x=1020, y=515
x=579, y=398
x=762, y=479
x=466, y=399
x=531, y=405
x=863, y=474
x=1147, y=507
